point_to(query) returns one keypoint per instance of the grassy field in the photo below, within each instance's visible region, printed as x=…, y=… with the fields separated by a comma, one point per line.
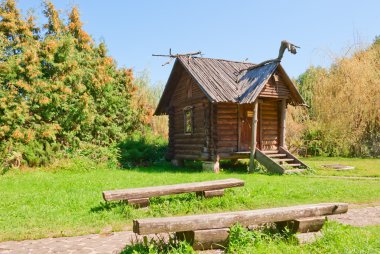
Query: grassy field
x=363, y=167
x=65, y=199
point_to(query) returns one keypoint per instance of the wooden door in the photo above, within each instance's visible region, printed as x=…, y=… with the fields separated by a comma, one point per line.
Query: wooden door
x=246, y=115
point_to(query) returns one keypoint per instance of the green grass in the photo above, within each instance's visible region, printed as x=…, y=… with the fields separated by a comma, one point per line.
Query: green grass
x=65, y=199
x=363, y=167
x=336, y=238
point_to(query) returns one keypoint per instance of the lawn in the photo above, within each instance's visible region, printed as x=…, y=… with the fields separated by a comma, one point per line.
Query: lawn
x=65, y=199
x=363, y=167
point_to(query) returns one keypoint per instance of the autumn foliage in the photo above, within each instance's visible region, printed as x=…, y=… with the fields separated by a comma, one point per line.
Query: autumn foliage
x=58, y=88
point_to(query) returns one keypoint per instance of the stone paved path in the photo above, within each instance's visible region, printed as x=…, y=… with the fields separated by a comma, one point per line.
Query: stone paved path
x=113, y=243
x=90, y=244
x=359, y=217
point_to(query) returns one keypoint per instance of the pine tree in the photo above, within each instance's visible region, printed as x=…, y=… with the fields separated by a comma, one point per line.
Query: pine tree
x=55, y=25
x=59, y=89
x=75, y=27
x=12, y=26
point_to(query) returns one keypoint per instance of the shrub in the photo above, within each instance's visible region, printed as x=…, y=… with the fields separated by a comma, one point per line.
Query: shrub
x=98, y=154
x=142, y=148
x=153, y=246
x=344, y=105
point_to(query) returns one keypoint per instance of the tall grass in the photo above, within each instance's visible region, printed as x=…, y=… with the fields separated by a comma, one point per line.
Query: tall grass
x=344, y=107
x=149, y=95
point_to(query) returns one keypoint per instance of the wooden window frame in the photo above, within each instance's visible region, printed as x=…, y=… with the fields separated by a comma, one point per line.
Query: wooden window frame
x=186, y=110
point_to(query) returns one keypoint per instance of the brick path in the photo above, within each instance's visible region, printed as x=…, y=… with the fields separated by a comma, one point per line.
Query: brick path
x=89, y=244
x=113, y=243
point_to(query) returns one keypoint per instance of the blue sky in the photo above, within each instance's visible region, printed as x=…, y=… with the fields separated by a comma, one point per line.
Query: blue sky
x=234, y=30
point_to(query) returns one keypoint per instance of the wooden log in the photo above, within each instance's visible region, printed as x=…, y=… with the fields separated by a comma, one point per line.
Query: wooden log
x=175, y=162
x=271, y=165
x=211, y=193
x=139, y=203
x=228, y=219
x=137, y=193
x=254, y=135
x=302, y=225
x=283, y=124
x=188, y=156
x=205, y=239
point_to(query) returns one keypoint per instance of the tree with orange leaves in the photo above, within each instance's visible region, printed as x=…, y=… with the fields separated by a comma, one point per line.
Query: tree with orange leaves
x=58, y=89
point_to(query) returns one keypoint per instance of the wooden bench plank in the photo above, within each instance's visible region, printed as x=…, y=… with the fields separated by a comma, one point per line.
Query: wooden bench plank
x=228, y=219
x=147, y=192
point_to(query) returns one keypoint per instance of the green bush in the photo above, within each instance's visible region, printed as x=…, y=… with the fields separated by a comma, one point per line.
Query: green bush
x=58, y=88
x=142, y=149
x=99, y=154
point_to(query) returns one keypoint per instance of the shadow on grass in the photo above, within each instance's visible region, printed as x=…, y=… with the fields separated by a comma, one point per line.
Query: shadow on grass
x=122, y=206
x=107, y=206
x=191, y=167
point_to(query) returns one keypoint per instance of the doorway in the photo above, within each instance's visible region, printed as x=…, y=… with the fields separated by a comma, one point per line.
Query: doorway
x=245, y=118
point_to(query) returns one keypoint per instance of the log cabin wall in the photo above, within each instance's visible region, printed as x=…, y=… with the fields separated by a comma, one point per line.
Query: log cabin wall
x=184, y=145
x=275, y=88
x=270, y=112
x=226, y=129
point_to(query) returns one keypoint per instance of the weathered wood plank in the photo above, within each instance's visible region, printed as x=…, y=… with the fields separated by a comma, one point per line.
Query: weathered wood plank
x=139, y=203
x=302, y=225
x=211, y=193
x=137, y=193
x=205, y=239
x=228, y=219
x=269, y=163
x=289, y=155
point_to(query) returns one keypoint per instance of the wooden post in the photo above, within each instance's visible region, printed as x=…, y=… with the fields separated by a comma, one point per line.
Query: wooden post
x=253, y=141
x=239, y=126
x=283, y=123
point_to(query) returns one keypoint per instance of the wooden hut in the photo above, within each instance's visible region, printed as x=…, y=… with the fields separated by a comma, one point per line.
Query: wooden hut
x=213, y=103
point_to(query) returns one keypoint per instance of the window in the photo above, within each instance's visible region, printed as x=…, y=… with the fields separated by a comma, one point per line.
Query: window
x=188, y=120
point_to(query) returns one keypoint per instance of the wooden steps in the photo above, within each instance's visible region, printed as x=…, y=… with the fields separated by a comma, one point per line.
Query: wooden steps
x=276, y=155
x=280, y=161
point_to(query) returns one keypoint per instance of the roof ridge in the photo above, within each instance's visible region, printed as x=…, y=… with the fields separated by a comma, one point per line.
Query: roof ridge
x=218, y=59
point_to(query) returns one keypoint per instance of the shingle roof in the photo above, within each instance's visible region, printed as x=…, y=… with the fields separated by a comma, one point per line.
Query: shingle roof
x=218, y=78
x=226, y=81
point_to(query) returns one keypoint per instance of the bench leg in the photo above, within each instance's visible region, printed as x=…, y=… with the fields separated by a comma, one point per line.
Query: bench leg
x=302, y=225
x=139, y=203
x=205, y=239
x=211, y=193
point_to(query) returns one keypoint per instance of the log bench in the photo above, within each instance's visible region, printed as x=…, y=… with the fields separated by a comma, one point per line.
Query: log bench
x=140, y=196
x=212, y=230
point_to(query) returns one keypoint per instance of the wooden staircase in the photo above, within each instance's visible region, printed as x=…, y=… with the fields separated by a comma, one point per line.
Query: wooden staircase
x=280, y=161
